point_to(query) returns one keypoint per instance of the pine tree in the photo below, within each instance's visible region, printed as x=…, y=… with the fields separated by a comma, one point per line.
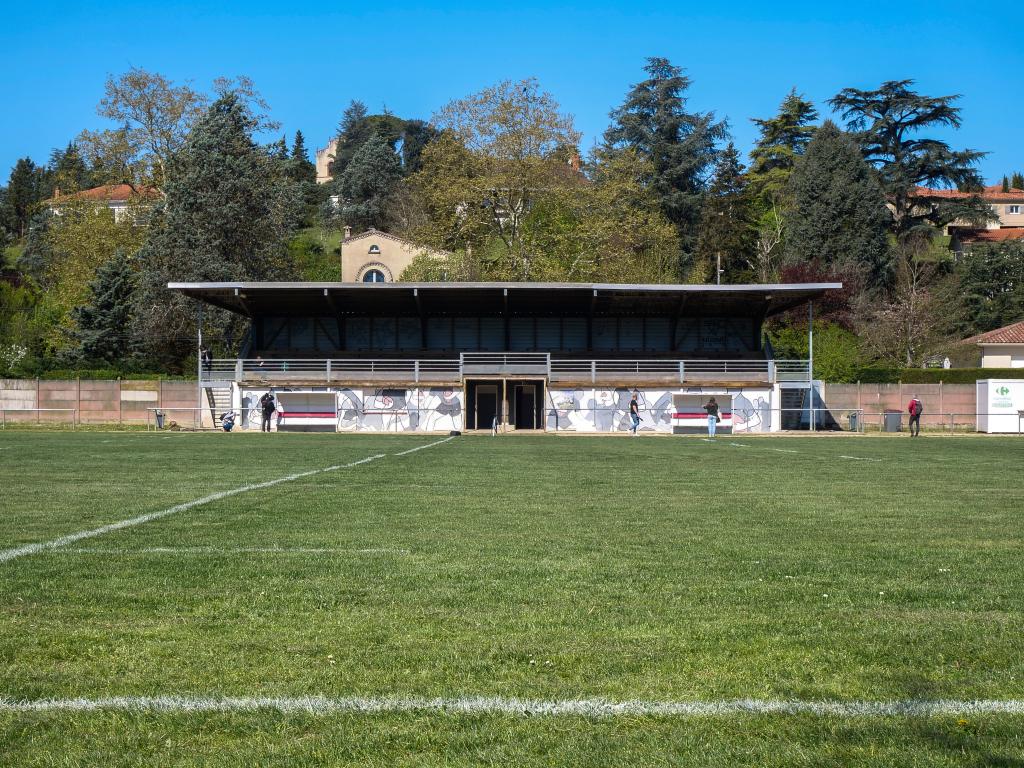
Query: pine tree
x=103, y=326
x=727, y=222
x=300, y=167
x=839, y=217
x=1017, y=181
x=227, y=216
x=368, y=183
x=784, y=138
x=886, y=122
x=24, y=191
x=654, y=121
x=67, y=172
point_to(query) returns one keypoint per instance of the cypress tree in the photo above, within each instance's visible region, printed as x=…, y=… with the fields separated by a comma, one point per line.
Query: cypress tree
x=838, y=217
x=1017, y=181
x=300, y=168
x=1006, y=184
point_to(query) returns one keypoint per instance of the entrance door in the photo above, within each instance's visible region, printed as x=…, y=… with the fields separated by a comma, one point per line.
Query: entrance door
x=485, y=406
x=525, y=406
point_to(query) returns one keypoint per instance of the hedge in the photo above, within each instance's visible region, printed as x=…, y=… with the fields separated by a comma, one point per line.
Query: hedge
x=934, y=375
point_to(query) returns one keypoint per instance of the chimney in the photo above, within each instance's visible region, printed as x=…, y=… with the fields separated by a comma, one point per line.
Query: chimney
x=348, y=231
x=56, y=192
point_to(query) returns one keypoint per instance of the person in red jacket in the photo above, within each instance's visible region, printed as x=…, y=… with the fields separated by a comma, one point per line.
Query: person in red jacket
x=915, y=408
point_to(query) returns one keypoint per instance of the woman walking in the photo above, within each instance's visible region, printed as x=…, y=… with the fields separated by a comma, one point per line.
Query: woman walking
x=712, y=411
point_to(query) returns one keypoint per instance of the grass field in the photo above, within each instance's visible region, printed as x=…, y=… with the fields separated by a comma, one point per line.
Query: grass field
x=535, y=572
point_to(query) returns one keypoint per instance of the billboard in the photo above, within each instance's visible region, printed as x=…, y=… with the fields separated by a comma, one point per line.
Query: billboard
x=1000, y=403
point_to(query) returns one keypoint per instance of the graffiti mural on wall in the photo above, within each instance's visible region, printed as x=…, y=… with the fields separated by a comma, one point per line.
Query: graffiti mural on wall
x=399, y=410
x=607, y=410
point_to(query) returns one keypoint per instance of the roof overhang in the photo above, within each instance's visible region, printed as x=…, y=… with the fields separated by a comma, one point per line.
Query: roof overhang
x=502, y=299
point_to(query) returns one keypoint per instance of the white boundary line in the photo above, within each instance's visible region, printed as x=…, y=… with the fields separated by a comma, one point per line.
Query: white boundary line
x=421, y=447
x=597, y=708
x=230, y=551
x=71, y=538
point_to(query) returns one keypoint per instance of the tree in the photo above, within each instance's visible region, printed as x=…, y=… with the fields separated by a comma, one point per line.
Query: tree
x=80, y=239
x=1006, y=184
x=66, y=172
x=680, y=145
x=887, y=122
x=727, y=222
x=367, y=184
x=22, y=195
x=301, y=169
x=500, y=158
x=103, y=325
x=990, y=287
x=226, y=217
x=416, y=134
x=1017, y=181
x=783, y=140
x=156, y=116
x=838, y=211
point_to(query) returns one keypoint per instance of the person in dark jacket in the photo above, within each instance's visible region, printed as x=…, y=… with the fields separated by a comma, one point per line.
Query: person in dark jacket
x=267, y=407
x=915, y=408
x=712, y=410
x=634, y=413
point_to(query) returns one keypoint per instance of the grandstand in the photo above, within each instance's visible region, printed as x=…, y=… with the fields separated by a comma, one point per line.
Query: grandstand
x=437, y=357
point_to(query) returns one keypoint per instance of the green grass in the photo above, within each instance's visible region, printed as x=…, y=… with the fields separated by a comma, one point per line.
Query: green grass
x=533, y=567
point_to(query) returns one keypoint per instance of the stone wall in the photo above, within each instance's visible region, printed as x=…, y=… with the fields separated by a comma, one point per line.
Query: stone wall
x=95, y=401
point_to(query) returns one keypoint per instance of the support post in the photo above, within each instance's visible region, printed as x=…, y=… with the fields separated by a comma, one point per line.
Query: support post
x=810, y=360
x=199, y=361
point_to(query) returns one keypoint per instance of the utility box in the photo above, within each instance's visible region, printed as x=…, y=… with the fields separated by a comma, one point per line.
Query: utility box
x=999, y=402
x=893, y=421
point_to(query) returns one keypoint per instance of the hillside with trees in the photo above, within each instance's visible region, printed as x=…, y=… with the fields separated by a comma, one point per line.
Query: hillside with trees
x=497, y=181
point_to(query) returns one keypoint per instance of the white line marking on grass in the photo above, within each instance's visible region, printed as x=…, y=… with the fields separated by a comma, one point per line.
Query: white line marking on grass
x=63, y=541
x=858, y=458
x=421, y=447
x=784, y=450
x=229, y=551
x=472, y=705
x=741, y=445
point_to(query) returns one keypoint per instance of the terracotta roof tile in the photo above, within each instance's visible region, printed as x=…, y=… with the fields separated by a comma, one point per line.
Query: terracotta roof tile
x=990, y=194
x=110, y=193
x=991, y=235
x=1010, y=334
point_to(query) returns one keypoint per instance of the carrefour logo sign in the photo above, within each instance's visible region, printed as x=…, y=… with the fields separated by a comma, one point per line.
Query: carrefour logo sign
x=1004, y=391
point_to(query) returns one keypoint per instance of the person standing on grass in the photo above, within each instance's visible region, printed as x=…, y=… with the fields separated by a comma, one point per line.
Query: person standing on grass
x=634, y=413
x=712, y=410
x=915, y=408
x=267, y=407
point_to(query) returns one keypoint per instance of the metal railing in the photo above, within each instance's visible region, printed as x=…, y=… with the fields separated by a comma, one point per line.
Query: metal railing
x=39, y=412
x=594, y=370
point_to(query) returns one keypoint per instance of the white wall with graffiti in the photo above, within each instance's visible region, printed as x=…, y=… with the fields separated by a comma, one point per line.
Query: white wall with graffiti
x=370, y=409
x=607, y=410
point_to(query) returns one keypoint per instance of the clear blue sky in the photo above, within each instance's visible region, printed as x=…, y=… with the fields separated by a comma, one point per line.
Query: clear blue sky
x=310, y=59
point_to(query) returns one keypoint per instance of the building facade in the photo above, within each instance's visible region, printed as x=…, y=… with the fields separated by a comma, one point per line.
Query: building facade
x=1007, y=209
x=1003, y=347
x=377, y=257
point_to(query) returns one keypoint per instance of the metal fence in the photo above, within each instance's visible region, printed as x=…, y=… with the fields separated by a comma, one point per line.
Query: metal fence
x=594, y=370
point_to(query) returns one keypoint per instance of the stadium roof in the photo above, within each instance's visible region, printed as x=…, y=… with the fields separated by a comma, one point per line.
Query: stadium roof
x=502, y=299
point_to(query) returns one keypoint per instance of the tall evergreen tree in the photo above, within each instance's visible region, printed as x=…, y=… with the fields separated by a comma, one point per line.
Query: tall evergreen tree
x=887, y=123
x=300, y=168
x=727, y=222
x=24, y=191
x=67, y=172
x=1017, y=180
x=416, y=134
x=103, y=326
x=368, y=183
x=782, y=141
x=681, y=145
x=1006, y=184
x=226, y=217
x=838, y=216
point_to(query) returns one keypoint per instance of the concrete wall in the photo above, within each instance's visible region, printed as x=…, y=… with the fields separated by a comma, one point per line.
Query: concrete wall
x=1002, y=355
x=96, y=401
x=944, y=404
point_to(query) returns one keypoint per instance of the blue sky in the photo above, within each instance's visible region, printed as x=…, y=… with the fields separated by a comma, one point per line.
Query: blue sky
x=309, y=60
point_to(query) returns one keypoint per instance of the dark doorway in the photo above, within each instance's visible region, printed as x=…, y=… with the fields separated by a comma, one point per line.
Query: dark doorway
x=482, y=399
x=526, y=404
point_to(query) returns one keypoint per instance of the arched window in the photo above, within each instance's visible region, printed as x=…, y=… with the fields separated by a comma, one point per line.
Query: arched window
x=373, y=276
x=374, y=248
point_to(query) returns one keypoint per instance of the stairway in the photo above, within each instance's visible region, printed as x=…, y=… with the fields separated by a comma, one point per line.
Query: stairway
x=219, y=399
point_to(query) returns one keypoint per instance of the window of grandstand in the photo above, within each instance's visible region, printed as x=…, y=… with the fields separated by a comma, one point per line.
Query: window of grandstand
x=373, y=276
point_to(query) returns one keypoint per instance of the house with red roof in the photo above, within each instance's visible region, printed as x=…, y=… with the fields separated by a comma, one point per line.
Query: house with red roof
x=119, y=198
x=1007, y=207
x=1003, y=347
